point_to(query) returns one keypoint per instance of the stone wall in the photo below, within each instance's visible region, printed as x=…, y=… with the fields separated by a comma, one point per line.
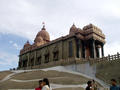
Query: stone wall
x=62, y=62
x=38, y=56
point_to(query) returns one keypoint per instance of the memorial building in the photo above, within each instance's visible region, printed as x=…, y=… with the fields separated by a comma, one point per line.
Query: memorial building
x=78, y=44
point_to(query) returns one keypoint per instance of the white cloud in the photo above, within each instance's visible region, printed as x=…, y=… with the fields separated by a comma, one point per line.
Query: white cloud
x=25, y=17
x=10, y=42
x=8, y=59
x=16, y=46
x=111, y=7
x=112, y=48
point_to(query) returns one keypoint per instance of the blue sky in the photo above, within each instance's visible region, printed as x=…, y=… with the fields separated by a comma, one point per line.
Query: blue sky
x=21, y=20
x=10, y=45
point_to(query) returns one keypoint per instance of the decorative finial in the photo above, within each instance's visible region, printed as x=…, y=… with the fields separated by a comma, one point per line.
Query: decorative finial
x=27, y=41
x=43, y=23
x=73, y=23
x=43, y=28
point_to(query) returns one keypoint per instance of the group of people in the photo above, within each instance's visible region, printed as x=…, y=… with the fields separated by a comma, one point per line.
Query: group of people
x=44, y=85
x=91, y=85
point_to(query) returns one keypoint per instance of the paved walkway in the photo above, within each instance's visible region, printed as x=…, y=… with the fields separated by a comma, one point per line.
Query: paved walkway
x=54, y=86
x=16, y=80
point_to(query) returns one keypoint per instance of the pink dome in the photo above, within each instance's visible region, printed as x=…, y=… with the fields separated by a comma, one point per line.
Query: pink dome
x=38, y=39
x=43, y=34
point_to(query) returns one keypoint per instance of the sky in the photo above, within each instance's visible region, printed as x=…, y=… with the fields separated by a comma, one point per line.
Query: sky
x=21, y=20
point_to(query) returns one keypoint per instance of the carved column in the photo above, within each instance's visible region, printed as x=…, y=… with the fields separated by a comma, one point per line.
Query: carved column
x=98, y=52
x=80, y=47
x=35, y=56
x=93, y=49
x=19, y=64
x=28, y=60
x=102, y=49
x=78, y=42
x=22, y=64
x=83, y=50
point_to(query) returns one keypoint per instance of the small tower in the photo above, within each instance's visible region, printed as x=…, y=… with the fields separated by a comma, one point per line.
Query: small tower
x=73, y=29
x=27, y=44
x=42, y=37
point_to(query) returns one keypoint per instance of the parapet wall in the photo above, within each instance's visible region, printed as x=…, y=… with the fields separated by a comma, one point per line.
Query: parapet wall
x=70, y=61
x=108, y=58
x=61, y=62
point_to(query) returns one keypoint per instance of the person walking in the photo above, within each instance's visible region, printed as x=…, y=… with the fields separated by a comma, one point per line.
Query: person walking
x=119, y=84
x=40, y=85
x=94, y=85
x=89, y=87
x=114, y=85
x=46, y=85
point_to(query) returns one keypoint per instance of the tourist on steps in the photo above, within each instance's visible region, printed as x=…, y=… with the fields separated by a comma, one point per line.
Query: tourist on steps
x=46, y=85
x=119, y=83
x=114, y=85
x=40, y=86
x=89, y=87
x=94, y=85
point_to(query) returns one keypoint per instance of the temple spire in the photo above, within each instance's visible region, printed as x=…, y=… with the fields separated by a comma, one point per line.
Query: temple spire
x=27, y=41
x=73, y=24
x=43, y=23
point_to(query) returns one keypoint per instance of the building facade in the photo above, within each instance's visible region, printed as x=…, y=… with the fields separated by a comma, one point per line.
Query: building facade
x=79, y=43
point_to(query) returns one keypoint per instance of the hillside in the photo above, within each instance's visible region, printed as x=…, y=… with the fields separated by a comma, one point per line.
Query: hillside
x=60, y=80
x=29, y=80
x=4, y=74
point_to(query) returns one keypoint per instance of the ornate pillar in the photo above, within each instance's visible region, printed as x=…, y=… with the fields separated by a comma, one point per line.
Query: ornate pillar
x=93, y=49
x=28, y=60
x=102, y=49
x=83, y=50
x=35, y=56
x=22, y=64
x=78, y=49
x=98, y=52
x=19, y=64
